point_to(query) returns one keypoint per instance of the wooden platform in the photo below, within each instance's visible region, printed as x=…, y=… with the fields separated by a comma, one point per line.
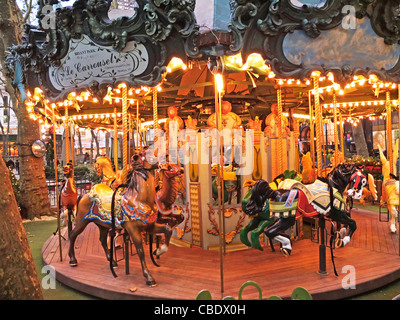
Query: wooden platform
x=373, y=252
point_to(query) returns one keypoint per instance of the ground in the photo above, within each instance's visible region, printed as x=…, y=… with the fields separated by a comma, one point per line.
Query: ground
x=39, y=231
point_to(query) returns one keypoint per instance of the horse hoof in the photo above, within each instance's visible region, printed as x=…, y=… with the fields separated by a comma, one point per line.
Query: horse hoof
x=286, y=252
x=339, y=243
x=151, y=283
x=73, y=263
x=393, y=228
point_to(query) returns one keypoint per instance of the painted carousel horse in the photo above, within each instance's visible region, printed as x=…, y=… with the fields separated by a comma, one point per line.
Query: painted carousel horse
x=68, y=196
x=308, y=173
x=167, y=194
x=230, y=182
x=135, y=210
x=250, y=234
x=390, y=191
x=105, y=171
x=293, y=200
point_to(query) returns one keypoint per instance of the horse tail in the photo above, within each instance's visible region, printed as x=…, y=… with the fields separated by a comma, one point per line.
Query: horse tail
x=332, y=230
x=113, y=228
x=151, y=251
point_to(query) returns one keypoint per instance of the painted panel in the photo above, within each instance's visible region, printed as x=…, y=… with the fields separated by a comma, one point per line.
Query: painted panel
x=359, y=48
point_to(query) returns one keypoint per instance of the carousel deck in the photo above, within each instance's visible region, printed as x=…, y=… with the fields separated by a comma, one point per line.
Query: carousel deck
x=374, y=253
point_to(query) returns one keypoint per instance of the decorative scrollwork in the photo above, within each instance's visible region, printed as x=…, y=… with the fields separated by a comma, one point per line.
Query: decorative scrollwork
x=163, y=28
x=277, y=19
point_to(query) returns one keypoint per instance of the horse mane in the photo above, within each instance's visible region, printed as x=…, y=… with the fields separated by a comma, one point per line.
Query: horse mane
x=168, y=190
x=262, y=190
x=338, y=174
x=106, y=166
x=137, y=169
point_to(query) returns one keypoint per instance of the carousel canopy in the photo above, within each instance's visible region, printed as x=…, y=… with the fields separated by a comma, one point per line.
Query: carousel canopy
x=176, y=47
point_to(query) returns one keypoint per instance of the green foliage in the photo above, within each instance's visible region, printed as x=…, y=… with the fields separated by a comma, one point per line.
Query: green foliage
x=370, y=161
x=298, y=293
x=82, y=172
x=372, y=164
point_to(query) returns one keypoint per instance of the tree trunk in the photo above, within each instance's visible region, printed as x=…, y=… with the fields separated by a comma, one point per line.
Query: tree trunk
x=34, y=200
x=80, y=142
x=18, y=277
x=34, y=194
x=94, y=137
x=359, y=140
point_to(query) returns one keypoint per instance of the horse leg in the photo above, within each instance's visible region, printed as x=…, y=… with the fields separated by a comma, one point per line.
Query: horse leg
x=167, y=231
x=79, y=227
x=255, y=234
x=104, y=243
x=276, y=232
x=393, y=217
x=134, y=229
x=246, y=229
x=83, y=207
x=344, y=218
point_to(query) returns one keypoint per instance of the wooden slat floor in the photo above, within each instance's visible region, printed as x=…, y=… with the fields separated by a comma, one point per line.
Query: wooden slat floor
x=373, y=252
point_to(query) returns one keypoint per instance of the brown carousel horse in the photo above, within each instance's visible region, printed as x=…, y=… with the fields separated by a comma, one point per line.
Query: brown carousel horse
x=167, y=194
x=135, y=210
x=68, y=196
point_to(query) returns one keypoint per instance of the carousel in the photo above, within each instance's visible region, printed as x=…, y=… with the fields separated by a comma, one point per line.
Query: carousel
x=223, y=176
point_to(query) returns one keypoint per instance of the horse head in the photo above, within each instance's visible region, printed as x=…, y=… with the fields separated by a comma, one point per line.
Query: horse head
x=103, y=167
x=261, y=191
x=68, y=170
x=170, y=170
x=358, y=180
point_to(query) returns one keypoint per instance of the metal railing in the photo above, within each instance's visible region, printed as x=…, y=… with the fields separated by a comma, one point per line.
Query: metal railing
x=83, y=186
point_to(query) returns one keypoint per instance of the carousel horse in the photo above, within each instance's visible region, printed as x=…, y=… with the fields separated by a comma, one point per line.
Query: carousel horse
x=230, y=182
x=369, y=192
x=68, y=196
x=308, y=173
x=390, y=191
x=293, y=200
x=105, y=171
x=134, y=210
x=263, y=219
x=167, y=194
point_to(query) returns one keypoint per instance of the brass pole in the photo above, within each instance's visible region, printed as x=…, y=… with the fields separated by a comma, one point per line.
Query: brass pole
x=137, y=124
x=318, y=124
x=341, y=133
x=398, y=151
x=312, y=142
x=56, y=182
x=335, y=130
x=70, y=126
x=155, y=109
x=280, y=138
x=129, y=137
x=389, y=148
x=115, y=140
x=66, y=127
x=220, y=183
x=156, y=127
x=124, y=130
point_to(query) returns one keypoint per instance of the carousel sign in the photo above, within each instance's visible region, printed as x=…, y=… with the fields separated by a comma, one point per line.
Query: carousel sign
x=87, y=61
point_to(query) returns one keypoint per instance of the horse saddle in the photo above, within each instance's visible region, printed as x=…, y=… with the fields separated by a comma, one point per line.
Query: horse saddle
x=101, y=197
x=316, y=194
